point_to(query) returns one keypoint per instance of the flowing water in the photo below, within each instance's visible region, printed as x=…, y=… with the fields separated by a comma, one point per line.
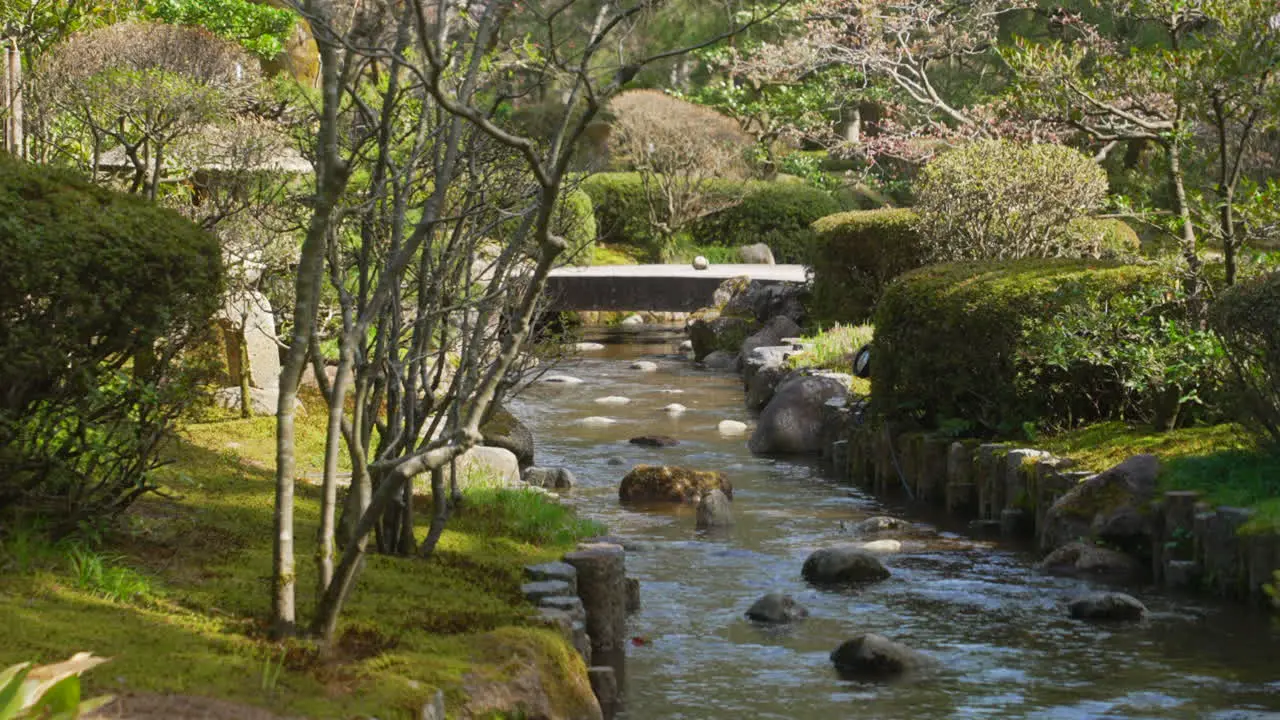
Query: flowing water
x=999, y=629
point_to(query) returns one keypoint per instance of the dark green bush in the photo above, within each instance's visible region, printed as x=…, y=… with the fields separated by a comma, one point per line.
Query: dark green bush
x=855, y=255
x=778, y=214
x=106, y=298
x=968, y=342
x=1247, y=317
x=621, y=210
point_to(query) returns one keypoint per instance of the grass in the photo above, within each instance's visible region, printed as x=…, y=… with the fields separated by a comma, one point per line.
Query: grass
x=1223, y=462
x=833, y=349
x=178, y=597
x=613, y=255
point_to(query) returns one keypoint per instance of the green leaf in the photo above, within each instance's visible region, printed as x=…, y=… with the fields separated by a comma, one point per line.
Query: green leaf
x=10, y=687
x=63, y=697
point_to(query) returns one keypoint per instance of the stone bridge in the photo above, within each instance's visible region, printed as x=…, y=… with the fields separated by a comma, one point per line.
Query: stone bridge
x=657, y=288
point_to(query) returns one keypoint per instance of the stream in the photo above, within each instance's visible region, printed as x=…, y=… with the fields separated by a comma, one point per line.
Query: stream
x=999, y=629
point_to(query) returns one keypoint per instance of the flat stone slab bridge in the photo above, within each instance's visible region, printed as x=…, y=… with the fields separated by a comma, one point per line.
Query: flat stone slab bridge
x=656, y=288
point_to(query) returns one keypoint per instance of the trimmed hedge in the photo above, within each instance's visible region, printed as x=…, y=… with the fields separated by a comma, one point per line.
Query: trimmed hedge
x=620, y=208
x=855, y=255
x=778, y=214
x=951, y=341
x=1247, y=318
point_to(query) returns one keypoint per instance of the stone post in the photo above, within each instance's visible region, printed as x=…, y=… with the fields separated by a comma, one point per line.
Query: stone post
x=602, y=586
x=931, y=483
x=989, y=477
x=962, y=495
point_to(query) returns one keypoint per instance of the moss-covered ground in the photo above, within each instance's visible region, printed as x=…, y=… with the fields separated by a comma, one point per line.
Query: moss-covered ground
x=1224, y=462
x=178, y=596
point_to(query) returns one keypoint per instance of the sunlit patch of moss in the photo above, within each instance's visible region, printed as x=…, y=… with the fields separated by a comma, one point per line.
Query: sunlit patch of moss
x=410, y=627
x=1224, y=462
x=833, y=349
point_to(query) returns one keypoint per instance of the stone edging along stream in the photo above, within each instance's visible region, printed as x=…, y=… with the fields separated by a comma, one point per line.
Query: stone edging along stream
x=1015, y=492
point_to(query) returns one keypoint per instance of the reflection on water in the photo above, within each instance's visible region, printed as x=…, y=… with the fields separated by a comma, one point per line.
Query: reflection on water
x=1006, y=646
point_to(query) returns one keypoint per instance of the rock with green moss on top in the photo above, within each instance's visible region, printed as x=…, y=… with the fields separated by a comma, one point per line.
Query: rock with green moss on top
x=504, y=430
x=1112, y=506
x=664, y=483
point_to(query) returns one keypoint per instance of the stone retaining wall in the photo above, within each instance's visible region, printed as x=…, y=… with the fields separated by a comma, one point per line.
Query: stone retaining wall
x=1006, y=490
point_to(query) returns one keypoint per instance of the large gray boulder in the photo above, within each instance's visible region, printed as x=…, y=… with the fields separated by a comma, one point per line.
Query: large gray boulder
x=1112, y=506
x=758, y=254
x=1081, y=559
x=711, y=332
x=776, y=609
x=721, y=360
x=770, y=335
x=762, y=370
x=875, y=657
x=1107, y=606
x=791, y=424
x=765, y=301
x=840, y=565
x=504, y=430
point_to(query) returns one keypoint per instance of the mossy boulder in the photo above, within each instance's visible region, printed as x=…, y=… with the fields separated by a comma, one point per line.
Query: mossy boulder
x=1112, y=506
x=665, y=483
x=504, y=430
x=1082, y=559
x=709, y=332
x=543, y=678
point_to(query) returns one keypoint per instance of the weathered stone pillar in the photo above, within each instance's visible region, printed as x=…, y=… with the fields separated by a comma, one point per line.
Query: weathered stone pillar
x=604, y=683
x=962, y=495
x=931, y=485
x=989, y=477
x=602, y=587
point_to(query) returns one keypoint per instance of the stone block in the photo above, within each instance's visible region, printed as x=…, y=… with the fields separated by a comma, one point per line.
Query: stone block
x=931, y=485
x=988, y=464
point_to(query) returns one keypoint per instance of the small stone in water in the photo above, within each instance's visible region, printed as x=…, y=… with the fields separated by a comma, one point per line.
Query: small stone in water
x=596, y=421
x=685, y=346
x=674, y=409
x=655, y=441
x=562, y=379
x=586, y=346
x=732, y=427
x=633, y=320
x=615, y=460
x=613, y=400
x=673, y=391
x=644, y=366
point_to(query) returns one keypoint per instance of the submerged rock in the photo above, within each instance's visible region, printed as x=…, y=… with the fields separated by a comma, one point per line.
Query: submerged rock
x=1107, y=606
x=882, y=547
x=875, y=657
x=557, y=379
x=613, y=400
x=597, y=421
x=714, y=510
x=879, y=524
x=664, y=483
x=644, y=366
x=587, y=347
x=654, y=441
x=674, y=409
x=846, y=564
x=776, y=609
x=1079, y=559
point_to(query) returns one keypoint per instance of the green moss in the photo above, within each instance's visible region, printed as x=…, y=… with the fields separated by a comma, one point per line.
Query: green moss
x=613, y=255
x=1223, y=462
x=833, y=349
x=411, y=626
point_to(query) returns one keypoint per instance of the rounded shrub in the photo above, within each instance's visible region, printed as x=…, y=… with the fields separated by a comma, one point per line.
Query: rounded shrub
x=854, y=255
x=778, y=214
x=1006, y=200
x=108, y=299
x=966, y=342
x=1247, y=318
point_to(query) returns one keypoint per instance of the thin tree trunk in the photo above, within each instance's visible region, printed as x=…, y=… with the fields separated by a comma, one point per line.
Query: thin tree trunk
x=441, y=505
x=331, y=178
x=246, y=395
x=1188, y=239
